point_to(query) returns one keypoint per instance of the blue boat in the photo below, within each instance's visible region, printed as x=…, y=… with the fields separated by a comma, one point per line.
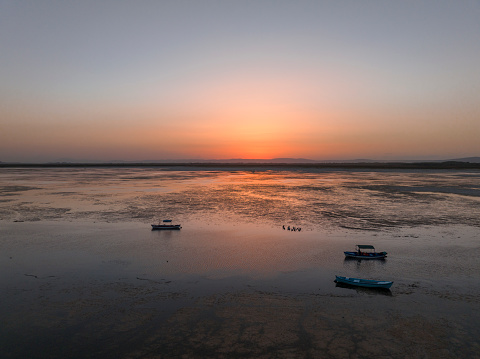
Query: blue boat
x=167, y=224
x=367, y=283
x=365, y=251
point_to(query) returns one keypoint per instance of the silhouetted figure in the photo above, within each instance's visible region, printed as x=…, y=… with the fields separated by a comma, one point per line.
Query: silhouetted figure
x=288, y=228
x=283, y=227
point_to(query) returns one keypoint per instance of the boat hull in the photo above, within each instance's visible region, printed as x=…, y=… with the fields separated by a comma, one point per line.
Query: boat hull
x=366, y=283
x=381, y=255
x=166, y=226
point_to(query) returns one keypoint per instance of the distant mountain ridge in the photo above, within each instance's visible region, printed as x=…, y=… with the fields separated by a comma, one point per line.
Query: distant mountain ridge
x=467, y=159
x=286, y=160
x=299, y=160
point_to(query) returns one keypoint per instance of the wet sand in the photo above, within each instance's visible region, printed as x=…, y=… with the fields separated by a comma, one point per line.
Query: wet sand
x=80, y=280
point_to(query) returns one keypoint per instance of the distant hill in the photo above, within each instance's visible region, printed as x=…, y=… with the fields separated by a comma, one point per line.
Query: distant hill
x=467, y=159
x=261, y=160
x=230, y=160
x=300, y=160
x=283, y=160
x=243, y=161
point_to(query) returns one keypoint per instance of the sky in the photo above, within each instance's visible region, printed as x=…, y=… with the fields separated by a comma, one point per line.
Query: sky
x=202, y=79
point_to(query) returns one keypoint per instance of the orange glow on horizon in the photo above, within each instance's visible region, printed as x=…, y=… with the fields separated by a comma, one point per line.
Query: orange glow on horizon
x=261, y=118
x=247, y=115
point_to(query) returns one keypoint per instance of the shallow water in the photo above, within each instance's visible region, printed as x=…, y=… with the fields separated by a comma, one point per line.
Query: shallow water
x=80, y=263
x=314, y=200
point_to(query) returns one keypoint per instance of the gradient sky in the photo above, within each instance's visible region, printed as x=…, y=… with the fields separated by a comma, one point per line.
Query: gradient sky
x=152, y=80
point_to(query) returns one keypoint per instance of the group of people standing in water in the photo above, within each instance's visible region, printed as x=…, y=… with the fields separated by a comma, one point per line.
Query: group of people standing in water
x=294, y=229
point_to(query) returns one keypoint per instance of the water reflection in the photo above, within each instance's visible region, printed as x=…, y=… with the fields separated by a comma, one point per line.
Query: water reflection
x=361, y=290
x=335, y=199
x=360, y=260
x=78, y=247
x=368, y=269
x=363, y=264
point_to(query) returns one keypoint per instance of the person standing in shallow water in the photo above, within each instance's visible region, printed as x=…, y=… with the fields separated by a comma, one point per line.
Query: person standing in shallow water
x=294, y=229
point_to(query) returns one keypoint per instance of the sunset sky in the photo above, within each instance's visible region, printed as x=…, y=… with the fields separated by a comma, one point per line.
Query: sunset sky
x=201, y=79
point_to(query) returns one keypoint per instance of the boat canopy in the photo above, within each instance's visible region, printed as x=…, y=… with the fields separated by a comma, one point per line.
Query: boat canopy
x=365, y=246
x=167, y=220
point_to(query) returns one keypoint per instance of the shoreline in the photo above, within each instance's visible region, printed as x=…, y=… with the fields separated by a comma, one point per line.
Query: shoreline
x=423, y=165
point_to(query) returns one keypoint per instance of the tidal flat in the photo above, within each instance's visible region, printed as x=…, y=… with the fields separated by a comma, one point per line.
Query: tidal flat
x=82, y=275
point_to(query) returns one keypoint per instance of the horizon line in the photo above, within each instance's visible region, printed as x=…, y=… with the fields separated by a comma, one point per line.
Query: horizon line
x=380, y=165
x=278, y=160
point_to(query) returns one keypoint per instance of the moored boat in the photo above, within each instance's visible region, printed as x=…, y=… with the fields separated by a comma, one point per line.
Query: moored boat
x=167, y=224
x=367, y=283
x=365, y=251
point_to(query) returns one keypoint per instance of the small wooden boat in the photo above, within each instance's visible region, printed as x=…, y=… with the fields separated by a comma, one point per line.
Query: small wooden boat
x=167, y=224
x=364, y=282
x=365, y=251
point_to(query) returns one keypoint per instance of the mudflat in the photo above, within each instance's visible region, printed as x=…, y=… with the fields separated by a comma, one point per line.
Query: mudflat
x=82, y=275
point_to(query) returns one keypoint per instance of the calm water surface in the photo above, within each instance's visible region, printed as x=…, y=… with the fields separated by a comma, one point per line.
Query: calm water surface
x=76, y=246
x=315, y=200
